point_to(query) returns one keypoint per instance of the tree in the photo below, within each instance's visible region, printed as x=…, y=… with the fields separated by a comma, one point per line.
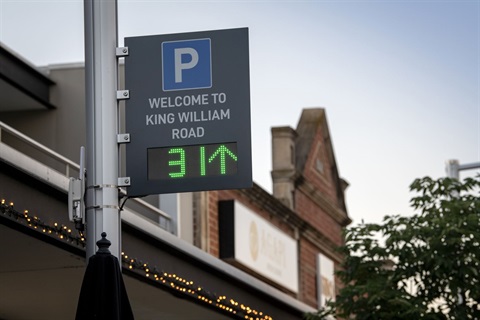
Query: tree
x=424, y=266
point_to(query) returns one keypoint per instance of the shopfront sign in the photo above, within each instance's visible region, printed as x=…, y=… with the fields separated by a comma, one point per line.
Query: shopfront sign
x=325, y=280
x=253, y=242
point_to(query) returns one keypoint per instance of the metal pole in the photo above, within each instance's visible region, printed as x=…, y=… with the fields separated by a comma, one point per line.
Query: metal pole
x=469, y=166
x=453, y=168
x=102, y=212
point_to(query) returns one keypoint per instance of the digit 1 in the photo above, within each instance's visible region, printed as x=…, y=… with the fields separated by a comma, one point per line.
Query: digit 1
x=202, y=161
x=180, y=162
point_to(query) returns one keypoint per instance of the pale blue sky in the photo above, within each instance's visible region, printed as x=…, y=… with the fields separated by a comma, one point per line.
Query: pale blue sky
x=400, y=80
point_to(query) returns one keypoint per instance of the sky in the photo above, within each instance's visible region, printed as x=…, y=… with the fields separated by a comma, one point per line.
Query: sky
x=399, y=80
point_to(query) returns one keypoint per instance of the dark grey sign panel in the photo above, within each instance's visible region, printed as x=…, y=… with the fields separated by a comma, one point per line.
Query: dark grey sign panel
x=188, y=115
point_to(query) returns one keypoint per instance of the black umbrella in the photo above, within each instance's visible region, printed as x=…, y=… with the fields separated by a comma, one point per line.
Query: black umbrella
x=103, y=295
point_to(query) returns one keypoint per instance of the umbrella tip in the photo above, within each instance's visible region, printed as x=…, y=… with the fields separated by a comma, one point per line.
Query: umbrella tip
x=103, y=244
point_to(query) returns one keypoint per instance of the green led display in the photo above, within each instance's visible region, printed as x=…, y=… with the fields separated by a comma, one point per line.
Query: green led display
x=196, y=161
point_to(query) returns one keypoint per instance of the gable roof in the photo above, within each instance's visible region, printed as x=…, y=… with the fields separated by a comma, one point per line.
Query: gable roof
x=310, y=122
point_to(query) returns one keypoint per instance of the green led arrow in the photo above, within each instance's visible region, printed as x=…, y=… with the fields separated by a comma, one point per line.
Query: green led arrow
x=222, y=151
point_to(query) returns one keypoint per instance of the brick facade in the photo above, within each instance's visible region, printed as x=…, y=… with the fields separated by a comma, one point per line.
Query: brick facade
x=314, y=214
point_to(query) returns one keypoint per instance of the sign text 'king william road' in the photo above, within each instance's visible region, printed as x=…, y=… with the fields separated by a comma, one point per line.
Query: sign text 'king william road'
x=188, y=115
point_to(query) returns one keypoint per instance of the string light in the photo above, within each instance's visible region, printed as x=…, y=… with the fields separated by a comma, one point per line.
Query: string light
x=184, y=286
x=60, y=231
x=172, y=281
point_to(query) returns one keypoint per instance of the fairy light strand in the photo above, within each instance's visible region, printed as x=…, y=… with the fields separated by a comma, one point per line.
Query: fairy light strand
x=60, y=231
x=169, y=280
x=174, y=281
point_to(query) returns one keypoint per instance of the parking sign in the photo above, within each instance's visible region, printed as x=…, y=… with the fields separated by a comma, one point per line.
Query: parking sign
x=186, y=64
x=188, y=114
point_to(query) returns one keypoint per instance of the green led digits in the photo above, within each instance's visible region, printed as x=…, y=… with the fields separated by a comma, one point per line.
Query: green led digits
x=195, y=161
x=202, y=161
x=180, y=163
x=222, y=151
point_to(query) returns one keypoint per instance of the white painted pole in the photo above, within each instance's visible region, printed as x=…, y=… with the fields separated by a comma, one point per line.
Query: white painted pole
x=102, y=211
x=453, y=167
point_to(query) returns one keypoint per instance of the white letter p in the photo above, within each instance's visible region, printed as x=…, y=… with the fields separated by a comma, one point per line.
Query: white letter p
x=179, y=66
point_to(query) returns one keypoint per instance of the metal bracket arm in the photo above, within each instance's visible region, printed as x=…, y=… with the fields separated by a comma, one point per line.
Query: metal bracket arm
x=123, y=94
x=124, y=181
x=121, y=52
x=123, y=138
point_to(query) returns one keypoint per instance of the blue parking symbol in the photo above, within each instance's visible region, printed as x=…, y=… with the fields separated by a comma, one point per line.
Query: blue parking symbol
x=187, y=64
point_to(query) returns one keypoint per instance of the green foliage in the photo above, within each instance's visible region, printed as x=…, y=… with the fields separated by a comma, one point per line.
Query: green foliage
x=425, y=266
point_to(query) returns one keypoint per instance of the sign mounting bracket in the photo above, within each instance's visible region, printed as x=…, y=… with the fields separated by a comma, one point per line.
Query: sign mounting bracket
x=121, y=52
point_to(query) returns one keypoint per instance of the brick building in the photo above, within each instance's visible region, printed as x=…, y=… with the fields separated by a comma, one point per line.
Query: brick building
x=308, y=203
x=227, y=254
